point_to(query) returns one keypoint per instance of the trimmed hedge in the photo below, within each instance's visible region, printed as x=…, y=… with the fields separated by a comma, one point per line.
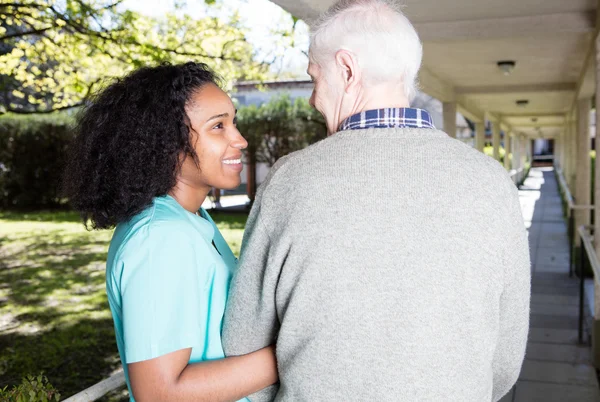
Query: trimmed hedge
x=32, y=157
x=33, y=148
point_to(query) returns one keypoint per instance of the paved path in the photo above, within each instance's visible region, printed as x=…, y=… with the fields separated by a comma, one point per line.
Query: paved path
x=556, y=368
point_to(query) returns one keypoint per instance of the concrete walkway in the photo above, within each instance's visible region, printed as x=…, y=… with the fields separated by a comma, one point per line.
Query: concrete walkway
x=556, y=368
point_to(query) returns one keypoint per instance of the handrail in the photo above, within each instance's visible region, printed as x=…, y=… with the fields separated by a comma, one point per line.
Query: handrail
x=586, y=239
x=571, y=206
x=569, y=197
x=565, y=188
x=98, y=390
x=587, y=247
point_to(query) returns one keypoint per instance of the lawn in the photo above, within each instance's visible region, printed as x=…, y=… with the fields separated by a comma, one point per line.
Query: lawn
x=54, y=315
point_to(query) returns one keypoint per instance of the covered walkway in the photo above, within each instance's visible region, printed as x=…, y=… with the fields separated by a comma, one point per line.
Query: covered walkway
x=525, y=70
x=556, y=368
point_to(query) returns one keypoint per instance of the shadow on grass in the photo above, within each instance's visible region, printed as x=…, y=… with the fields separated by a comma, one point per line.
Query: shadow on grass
x=73, y=357
x=235, y=220
x=42, y=216
x=54, y=313
x=55, y=316
x=49, y=270
x=42, y=244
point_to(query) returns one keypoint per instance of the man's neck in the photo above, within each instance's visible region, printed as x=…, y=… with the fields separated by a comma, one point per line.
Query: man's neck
x=384, y=96
x=379, y=97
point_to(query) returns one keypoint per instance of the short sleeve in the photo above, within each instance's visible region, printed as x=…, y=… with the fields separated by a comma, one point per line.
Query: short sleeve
x=164, y=297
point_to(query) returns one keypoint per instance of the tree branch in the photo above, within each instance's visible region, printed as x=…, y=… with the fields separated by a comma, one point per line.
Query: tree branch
x=23, y=5
x=46, y=111
x=26, y=33
x=180, y=52
x=112, y=5
x=56, y=109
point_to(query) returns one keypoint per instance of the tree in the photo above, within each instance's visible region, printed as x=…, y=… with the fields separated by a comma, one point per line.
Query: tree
x=280, y=127
x=276, y=129
x=58, y=52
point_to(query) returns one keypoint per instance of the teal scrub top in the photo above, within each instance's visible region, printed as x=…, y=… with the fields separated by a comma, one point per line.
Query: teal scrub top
x=167, y=279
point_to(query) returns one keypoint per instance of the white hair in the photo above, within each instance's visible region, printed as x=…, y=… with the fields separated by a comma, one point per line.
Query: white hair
x=384, y=41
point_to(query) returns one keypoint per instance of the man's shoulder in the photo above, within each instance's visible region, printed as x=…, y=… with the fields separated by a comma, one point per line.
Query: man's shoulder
x=294, y=163
x=474, y=158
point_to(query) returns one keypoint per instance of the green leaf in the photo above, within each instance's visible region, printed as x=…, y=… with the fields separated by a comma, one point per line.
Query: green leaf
x=59, y=68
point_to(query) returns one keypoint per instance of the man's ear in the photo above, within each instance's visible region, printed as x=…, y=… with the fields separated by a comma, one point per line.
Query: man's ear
x=347, y=65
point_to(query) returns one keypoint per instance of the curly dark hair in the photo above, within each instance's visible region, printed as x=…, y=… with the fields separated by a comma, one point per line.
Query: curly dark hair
x=129, y=140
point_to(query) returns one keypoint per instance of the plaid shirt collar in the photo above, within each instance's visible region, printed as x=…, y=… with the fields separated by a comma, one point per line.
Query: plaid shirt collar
x=388, y=118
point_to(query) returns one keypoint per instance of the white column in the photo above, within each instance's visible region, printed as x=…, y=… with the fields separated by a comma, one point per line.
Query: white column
x=496, y=140
x=557, y=150
x=596, y=325
x=480, y=135
x=582, y=177
x=568, y=149
x=507, y=149
x=524, y=155
x=563, y=148
x=517, y=161
x=573, y=153
x=450, y=118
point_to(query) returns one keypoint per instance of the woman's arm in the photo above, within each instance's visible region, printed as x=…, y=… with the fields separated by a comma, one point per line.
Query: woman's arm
x=171, y=378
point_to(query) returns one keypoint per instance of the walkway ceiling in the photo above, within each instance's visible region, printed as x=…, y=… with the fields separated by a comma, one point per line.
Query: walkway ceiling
x=551, y=42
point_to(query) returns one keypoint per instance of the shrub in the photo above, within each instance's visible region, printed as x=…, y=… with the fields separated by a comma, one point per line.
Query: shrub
x=33, y=149
x=280, y=127
x=31, y=389
x=276, y=129
x=32, y=155
x=489, y=151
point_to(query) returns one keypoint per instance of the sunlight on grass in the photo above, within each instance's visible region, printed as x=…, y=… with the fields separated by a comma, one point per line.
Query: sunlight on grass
x=54, y=314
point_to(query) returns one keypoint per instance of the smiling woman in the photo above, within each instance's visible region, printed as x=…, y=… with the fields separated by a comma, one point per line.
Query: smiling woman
x=147, y=152
x=217, y=146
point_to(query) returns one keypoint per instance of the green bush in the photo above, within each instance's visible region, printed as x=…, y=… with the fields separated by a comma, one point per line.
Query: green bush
x=32, y=156
x=33, y=149
x=489, y=151
x=279, y=127
x=31, y=389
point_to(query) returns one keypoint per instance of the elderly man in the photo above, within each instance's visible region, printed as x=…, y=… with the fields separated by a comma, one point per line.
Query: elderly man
x=388, y=261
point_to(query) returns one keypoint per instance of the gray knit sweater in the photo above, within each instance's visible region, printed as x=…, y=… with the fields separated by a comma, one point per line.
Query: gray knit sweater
x=387, y=265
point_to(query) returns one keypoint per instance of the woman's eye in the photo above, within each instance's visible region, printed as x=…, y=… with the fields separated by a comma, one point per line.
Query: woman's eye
x=235, y=121
x=218, y=126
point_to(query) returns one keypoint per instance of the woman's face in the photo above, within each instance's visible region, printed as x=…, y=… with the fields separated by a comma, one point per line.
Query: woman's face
x=216, y=140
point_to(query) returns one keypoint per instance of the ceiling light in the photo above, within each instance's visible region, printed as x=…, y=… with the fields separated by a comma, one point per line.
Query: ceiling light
x=522, y=102
x=506, y=66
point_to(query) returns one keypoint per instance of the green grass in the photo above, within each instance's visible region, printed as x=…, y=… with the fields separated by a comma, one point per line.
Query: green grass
x=54, y=315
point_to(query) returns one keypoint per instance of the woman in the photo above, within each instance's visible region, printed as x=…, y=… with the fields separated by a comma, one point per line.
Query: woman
x=147, y=152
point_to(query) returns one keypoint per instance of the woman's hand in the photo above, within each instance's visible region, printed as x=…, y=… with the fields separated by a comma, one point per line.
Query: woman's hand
x=171, y=378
